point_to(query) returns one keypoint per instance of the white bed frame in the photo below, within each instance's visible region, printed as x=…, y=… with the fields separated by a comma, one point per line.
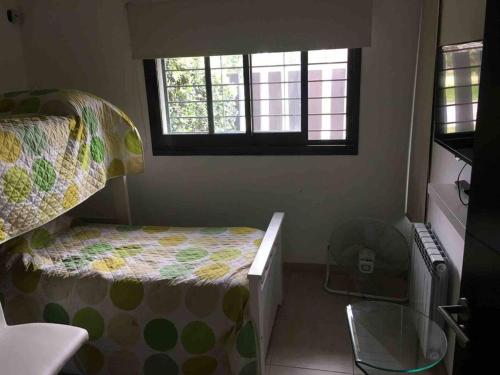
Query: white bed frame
x=266, y=287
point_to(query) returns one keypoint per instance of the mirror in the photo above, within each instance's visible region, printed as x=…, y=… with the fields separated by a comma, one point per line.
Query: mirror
x=456, y=96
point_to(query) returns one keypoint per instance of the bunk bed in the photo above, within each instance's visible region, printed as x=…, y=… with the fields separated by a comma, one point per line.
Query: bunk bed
x=154, y=299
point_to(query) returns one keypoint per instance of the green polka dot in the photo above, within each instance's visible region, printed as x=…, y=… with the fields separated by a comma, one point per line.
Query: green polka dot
x=234, y=302
x=124, y=329
x=191, y=254
x=160, y=364
x=245, y=343
x=90, y=119
x=6, y=105
x=226, y=254
x=174, y=271
x=201, y=365
x=43, y=92
x=197, y=338
x=16, y=184
x=75, y=262
x=97, y=149
x=56, y=288
x=34, y=140
x=25, y=279
x=97, y=248
x=41, y=238
x=249, y=369
x=54, y=313
x=132, y=142
x=28, y=105
x=44, y=175
x=213, y=230
x=126, y=294
x=90, y=319
x=127, y=250
x=160, y=334
x=91, y=359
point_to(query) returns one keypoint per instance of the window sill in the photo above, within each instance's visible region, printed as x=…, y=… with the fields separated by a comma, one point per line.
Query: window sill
x=259, y=150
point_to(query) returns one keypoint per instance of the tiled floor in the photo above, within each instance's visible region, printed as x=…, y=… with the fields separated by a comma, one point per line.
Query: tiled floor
x=310, y=335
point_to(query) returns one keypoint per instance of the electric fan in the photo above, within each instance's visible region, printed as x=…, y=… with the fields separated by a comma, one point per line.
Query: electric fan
x=368, y=258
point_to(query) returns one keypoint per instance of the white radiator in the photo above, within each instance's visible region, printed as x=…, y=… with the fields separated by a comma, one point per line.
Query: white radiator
x=428, y=280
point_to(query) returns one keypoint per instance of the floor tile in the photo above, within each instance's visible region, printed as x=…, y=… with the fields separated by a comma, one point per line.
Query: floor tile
x=311, y=329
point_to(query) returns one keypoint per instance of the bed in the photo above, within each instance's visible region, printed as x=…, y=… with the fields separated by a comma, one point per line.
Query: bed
x=154, y=299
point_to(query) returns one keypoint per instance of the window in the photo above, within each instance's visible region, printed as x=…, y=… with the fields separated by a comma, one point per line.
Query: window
x=265, y=103
x=459, y=68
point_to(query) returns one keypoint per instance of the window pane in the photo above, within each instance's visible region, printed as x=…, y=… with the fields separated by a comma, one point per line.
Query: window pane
x=276, y=92
x=182, y=63
x=229, y=61
x=227, y=76
x=326, y=135
x=185, y=77
x=327, y=91
x=186, y=125
x=327, y=56
x=188, y=109
x=459, y=87
x=228, y=92
x=231, y=124
x=186, y=95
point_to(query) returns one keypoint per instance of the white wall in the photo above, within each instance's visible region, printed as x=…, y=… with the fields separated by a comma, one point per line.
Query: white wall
x=12, y=70
x=85, y=44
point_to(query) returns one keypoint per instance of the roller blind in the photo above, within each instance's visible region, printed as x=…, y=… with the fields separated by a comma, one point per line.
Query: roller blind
x=181, y=28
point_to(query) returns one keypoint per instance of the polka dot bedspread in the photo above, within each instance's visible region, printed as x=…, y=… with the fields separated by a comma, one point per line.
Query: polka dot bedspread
x=57, y=148
x=155, y=300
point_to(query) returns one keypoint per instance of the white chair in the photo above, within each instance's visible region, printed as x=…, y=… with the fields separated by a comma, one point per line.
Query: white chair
x=37, y=348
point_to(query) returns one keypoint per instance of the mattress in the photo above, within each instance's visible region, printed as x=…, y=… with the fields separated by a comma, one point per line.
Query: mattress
x=155, y=300
x=57, y=148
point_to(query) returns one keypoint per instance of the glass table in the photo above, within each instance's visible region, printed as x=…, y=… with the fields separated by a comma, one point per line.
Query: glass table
x=387, y=337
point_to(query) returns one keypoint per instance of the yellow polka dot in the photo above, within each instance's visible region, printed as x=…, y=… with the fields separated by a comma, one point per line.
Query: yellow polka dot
x=16, y=184
x=108, y=264
x=87, y=234
x=50, y=205
x=242, y=230
x=212, y=271
x=71, y=196
x=84, y=156
x=205, y=241
x=116, y=168
x=257, y=242
x=77, y=130
x=10, y=147
x=173, y=240
x=155, y=229
x=3, y=235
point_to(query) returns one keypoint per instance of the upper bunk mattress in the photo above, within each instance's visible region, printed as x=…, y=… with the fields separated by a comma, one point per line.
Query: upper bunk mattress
x=57, y=148
x=142, y=253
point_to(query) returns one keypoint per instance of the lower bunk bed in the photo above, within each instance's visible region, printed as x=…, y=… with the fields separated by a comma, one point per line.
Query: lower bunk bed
x=154, y=300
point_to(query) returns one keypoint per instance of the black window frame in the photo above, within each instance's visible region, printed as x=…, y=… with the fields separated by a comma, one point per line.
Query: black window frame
x=262, y=143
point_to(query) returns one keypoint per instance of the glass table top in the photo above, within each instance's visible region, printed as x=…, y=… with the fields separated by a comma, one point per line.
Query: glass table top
x=391, y=337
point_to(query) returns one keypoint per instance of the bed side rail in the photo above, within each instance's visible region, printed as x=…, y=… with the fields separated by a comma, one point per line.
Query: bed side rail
x=266, y=284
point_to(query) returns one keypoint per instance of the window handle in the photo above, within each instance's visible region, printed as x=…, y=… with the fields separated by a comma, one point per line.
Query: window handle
x=462, y=309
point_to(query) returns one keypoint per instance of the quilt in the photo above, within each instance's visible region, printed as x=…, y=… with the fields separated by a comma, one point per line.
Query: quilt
x=57, y=148
x=155, y=300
